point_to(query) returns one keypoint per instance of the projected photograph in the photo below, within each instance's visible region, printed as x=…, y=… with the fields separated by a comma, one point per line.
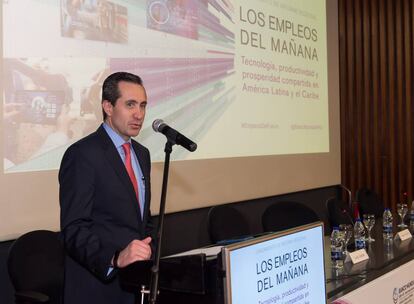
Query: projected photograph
x=192, y=19
x=46, y=107
x=94, y=20
x=175, y=17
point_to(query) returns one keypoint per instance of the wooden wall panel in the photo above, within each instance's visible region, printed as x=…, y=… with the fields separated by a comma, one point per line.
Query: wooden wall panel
x=377, y=86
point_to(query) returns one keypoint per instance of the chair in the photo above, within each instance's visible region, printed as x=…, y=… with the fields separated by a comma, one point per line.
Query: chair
x=338, y=212
x=225, y=223
x=369, y=202
x=284, y=215
x=35, y=264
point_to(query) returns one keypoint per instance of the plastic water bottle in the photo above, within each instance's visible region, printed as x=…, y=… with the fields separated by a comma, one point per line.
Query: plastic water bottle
x=387, y=224
x=412, y=217
x=336, y=248
x=389, y=249
x=359, y=235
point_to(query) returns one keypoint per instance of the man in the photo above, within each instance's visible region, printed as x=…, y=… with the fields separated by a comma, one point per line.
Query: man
x=105, y=214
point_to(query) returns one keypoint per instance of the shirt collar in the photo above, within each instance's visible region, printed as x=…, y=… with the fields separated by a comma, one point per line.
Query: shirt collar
x=115, y=137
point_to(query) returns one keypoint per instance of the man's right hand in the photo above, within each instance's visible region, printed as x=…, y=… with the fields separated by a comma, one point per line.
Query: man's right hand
x=135, y=251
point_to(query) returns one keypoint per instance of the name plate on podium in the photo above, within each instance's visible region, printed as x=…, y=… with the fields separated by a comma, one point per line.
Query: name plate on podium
x=287, y=267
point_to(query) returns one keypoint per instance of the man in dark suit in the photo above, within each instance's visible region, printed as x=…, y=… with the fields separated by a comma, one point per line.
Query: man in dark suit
x=105, y=198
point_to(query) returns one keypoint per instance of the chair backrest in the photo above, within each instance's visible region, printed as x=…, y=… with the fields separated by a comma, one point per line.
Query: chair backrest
x=225, y=223
x=369, y=202
x=287, y=214
x=338, y=212
x=36, y=264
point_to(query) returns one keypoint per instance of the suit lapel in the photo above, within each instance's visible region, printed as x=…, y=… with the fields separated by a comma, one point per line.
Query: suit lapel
x=117, y=164
x=144, y=168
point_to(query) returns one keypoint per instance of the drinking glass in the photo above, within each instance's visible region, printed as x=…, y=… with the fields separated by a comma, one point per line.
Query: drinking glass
x=402, y=211
x=346, y=231
x=369, y=222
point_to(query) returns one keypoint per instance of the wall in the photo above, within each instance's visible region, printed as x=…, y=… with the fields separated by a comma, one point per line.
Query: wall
x=377, y=91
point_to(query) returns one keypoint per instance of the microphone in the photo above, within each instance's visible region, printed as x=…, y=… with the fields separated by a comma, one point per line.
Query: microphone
x=173, y=135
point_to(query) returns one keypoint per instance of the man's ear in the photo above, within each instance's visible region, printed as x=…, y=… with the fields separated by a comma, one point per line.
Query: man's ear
x=107, y=107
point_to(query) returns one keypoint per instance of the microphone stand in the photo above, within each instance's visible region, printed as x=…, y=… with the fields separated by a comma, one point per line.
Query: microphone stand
x=155, y=268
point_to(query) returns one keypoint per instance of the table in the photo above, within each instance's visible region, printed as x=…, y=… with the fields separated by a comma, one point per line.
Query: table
x=385, y=257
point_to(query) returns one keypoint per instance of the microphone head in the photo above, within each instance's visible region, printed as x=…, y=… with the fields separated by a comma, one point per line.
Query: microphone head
x=193, y=147
x=156, y=125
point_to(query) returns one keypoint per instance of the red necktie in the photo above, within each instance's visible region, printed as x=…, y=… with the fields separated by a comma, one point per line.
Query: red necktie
x=128, y=166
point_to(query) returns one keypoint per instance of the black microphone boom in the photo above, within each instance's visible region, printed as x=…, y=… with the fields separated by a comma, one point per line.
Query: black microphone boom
x=173, y=135
x=349, y=193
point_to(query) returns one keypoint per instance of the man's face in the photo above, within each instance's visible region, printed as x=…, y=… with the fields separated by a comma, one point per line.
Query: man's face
x=127, y=116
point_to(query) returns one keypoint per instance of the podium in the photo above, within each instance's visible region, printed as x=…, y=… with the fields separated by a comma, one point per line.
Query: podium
x=286, y=265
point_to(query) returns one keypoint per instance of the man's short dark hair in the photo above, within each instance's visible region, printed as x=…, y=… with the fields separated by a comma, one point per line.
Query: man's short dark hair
x=110, y=88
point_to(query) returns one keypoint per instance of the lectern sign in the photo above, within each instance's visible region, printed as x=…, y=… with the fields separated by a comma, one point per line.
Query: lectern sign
x=286, y=267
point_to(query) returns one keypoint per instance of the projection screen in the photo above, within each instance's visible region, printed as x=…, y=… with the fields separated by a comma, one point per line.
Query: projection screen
x=253, y=83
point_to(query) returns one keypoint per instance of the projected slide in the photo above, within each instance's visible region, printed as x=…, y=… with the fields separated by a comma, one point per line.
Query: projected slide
x=238, y=79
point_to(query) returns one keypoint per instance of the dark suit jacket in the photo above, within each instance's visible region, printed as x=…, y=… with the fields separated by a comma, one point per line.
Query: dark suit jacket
x=99, y=215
